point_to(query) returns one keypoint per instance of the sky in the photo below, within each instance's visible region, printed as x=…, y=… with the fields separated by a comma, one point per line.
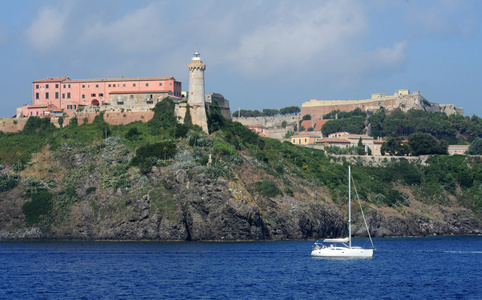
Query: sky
x=258, y=53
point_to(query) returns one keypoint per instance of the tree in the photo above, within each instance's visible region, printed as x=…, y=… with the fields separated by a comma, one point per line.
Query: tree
x=395, y=146
x=475, y=147
x=61, y=121
x=422, y=143
x=306, y=117
x=187, y=117
x=360, y=147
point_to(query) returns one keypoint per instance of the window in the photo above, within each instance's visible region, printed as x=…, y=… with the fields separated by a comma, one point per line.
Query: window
x=96, y=85
x=36, y=95
x=56, y=85
x=47, y=95
x=110, y=85
x=64, y=86
x=83, y=96
x=147, y=84
x=46, y=86
x=160, y=83
x=83, y=86
x=101, y=94
x=36, y=86
x=68, y=95
x=134, y=85
x=92, y=95
x=131, y=96
x=63, y=96
x=75, y=106
x=69, y=86
x=69, y=106
x=113, y=85
x=124, y=85
x=37, y=113
x=56, y=95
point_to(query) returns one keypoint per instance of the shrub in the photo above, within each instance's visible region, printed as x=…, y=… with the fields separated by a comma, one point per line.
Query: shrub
x=147, y=155
x=267, y=188
x=133, y=133
x=90, y=190
x=41, y=204
x=8, y=182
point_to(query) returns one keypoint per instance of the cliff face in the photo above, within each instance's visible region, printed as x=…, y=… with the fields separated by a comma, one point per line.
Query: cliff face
x=180, y=208
x=184, y=206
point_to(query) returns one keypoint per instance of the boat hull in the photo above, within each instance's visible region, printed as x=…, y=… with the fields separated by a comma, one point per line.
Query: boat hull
x=342, y=252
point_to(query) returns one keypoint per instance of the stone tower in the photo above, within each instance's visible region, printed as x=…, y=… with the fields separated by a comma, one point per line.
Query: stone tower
x=196, y=96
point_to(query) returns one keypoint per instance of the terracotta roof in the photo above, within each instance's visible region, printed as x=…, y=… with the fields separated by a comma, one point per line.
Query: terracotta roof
x=51, y=79
x=316, y=124
x=37, y=106
x=139, y=92
x=67, y=79
x=305, y=135
x=333, y=141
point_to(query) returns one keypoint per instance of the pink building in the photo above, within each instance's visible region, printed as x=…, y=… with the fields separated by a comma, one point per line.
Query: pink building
x=261, y=130
x=52, y=95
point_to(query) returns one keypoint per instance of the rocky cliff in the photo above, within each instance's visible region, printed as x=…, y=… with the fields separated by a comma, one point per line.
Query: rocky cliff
x=185, y=205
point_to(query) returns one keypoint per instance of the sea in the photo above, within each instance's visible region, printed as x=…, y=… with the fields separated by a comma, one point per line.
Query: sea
x=401, y=268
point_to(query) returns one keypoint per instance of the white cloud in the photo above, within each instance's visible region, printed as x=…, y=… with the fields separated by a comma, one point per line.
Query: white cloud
x=47, y=29
x=322, y=41
x=137, y=32
x=442, y=19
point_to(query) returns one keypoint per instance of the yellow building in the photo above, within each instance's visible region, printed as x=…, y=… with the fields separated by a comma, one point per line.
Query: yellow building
x=304, y=138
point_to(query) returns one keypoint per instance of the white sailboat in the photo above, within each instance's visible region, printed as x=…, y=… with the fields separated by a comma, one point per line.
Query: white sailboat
x=341, y=247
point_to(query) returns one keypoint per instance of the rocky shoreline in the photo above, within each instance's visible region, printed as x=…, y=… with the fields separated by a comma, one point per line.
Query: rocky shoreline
x=183, y=207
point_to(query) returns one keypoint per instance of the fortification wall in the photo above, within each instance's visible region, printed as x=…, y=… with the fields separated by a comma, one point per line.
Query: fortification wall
x=317, y=112
x=83, y=117
x=12, y=124
x=270, y=122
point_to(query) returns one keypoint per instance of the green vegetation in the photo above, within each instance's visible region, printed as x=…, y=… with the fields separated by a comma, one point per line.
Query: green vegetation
x=267, y=188
x=120, y=157
x=267, y=112
x=8, y=182
x=40, y=205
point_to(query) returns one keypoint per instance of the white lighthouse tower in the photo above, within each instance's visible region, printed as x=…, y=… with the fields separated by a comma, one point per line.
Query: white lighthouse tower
x=196, y=96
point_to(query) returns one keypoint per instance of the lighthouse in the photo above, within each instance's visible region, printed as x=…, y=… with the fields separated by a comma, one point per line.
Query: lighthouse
x=196, y=96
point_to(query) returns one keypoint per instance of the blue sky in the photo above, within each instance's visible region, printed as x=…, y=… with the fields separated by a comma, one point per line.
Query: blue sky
x=259, y=54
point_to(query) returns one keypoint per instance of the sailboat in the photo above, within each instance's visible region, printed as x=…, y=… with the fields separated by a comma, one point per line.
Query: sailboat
x=342, y=247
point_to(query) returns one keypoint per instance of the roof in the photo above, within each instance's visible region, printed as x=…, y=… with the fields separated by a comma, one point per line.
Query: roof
x=51, y=79
x=37, y=106
x=306, y=135
x=330, y=141
x=67, y=79
x=139, y=92
x=340, y=133
x=316, y=124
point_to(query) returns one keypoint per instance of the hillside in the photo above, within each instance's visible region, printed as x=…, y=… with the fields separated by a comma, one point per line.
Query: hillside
x=163, y=180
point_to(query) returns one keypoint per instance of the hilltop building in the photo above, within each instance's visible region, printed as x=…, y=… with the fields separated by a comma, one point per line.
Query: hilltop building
x=124, y=100
x=400, y=99
x=62, y=94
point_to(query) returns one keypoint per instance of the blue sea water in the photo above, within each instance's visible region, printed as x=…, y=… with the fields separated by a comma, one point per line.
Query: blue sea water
x=402, y=268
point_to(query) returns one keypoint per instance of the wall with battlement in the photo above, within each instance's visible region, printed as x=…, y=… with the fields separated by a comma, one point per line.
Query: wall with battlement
x=401, y=99
x=269, y=122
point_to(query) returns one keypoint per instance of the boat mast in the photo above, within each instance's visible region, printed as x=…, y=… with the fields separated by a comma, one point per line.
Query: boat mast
x=349, y=207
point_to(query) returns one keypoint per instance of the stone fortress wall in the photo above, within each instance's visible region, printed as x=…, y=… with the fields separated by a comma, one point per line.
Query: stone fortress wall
x=400, y=99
